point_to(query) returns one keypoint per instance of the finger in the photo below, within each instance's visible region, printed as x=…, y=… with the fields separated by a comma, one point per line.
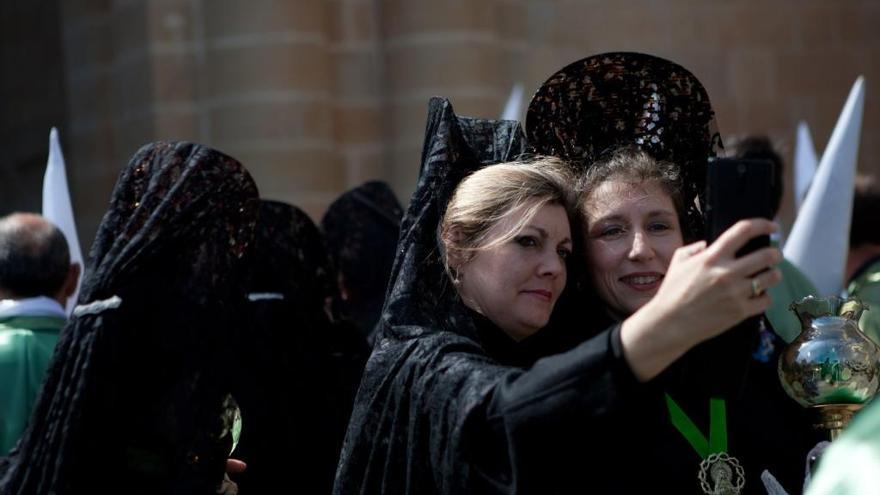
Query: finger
x=235, y=466
x=734, y=238
x=757, y=305
x=761, y=282
x=770, y=278
x=756, y=262
x=688, y=251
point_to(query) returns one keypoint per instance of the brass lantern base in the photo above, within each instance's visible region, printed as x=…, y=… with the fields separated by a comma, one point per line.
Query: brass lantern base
x=835, y=417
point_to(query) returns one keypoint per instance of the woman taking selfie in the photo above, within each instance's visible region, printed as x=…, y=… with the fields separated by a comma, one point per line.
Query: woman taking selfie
x=466, y=390
x=632, y=208
x=641, y=129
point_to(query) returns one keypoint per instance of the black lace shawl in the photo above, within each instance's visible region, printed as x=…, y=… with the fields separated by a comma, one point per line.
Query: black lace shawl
x=297, y=371
x=133, y=395
x=289, y=257
x=422, y=323
x=361, y=229
x=435, y=413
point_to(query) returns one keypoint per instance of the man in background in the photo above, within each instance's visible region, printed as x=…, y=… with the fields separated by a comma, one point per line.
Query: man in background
x=36, y=279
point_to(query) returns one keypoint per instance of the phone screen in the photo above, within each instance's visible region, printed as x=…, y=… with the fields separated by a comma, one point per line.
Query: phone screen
x=737, y=189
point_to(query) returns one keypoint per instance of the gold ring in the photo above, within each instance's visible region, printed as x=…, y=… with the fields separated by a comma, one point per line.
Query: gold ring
x=756, y=287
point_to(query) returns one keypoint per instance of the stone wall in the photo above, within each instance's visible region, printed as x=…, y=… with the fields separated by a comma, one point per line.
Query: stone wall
x=316, y=96
x=32, y=98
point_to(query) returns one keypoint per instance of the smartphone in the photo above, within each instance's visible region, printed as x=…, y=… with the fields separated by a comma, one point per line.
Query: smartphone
x=737, y=189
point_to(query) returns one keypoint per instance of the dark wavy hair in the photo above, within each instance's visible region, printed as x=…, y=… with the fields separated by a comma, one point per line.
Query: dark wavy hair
x=629, y=163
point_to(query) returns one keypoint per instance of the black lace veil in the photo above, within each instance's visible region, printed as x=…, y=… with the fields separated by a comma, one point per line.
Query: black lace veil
x=297, y=370
x=425, y=331
x=454, y=147
x=133, y=395
x=362, y=225
x=593, y=105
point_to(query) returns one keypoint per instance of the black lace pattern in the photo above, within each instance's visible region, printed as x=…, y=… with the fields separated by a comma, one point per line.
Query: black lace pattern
x=133, y=396
x=362, y=225
x=297, y=369
x=406, y=429
x=604, y=101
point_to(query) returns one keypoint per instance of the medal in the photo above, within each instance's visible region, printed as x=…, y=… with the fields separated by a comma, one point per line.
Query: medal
x=720, y=473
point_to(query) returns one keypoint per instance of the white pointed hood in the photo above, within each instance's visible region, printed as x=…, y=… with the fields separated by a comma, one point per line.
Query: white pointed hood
x=819, y=239
x=805, y=163
x=57, y=207
x=513, y=107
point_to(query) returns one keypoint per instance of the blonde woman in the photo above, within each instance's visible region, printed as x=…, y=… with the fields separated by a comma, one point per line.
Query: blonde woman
x=460, y=394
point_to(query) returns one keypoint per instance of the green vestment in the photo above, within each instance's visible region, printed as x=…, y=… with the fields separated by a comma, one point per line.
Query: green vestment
x=26, y=345
x=866, y=286
x=851, y=465
x=794, y=286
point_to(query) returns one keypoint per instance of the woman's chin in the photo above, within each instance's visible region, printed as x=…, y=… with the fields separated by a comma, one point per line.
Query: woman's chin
x=528, y=325
x=635, y=303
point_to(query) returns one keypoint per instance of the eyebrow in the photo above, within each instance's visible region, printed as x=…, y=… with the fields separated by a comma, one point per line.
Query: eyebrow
x=651, y=214
x=545, y=235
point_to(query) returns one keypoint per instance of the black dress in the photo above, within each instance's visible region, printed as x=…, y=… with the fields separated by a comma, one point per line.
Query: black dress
x=766, y=429
x=446, y=405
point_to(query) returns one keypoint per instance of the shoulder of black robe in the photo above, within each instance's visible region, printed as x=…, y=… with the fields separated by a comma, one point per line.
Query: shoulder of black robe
x=434, y=412
x=362, y=224
x=296, y=370
x=132, y=398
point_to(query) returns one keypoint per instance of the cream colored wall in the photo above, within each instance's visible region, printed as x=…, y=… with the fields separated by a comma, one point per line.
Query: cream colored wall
x=316, y=96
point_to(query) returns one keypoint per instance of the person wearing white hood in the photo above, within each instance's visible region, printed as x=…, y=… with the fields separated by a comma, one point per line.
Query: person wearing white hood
x=36, y=279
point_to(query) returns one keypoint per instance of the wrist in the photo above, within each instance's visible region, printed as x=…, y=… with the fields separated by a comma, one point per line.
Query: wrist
x=652, y=340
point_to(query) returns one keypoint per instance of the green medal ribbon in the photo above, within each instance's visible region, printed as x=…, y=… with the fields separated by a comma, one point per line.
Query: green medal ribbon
x=717, y=427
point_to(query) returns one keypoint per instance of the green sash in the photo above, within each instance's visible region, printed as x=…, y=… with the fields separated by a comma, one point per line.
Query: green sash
x=717, y=441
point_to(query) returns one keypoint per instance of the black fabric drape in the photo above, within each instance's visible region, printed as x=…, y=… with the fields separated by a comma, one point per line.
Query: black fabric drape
x=361, y=229
x=133, y=397
x=297, y=370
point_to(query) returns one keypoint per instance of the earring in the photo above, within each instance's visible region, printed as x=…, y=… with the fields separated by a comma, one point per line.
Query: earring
x=456, y=277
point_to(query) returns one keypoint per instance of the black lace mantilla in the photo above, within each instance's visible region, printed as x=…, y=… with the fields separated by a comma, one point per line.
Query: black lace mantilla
x=422, y=324
x=360, y=225
x=296, y=368
x=600, y=102
x=132, y=398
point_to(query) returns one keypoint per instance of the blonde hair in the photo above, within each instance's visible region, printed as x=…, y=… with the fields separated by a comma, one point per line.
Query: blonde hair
x=489, y=195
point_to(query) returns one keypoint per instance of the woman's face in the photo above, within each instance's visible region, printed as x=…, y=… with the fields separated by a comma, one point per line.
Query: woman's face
x=516, y=284
x=632, y=233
